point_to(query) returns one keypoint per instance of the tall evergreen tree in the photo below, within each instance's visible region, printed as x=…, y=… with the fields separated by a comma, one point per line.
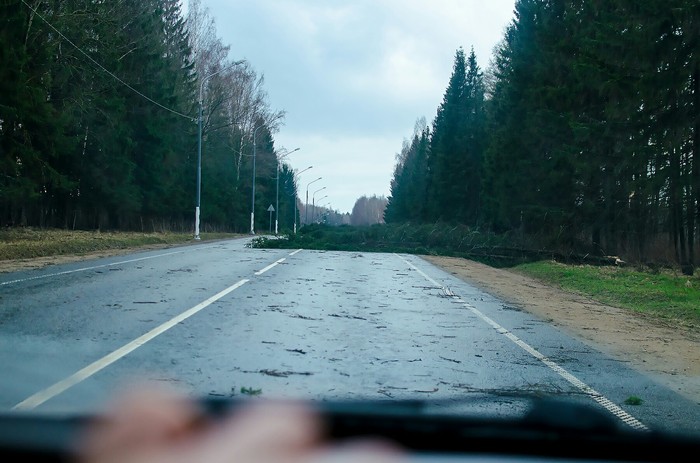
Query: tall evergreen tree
x=457, y=144
x=409, y=184
x=587, y=144
x=447, y=142
x=32, y=132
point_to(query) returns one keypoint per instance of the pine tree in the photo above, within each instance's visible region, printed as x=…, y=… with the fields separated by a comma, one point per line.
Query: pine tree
x=409, y=184
x=445, y=163
x=32, y=133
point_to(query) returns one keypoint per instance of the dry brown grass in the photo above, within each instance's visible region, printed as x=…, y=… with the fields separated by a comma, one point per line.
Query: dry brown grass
x=25, y=243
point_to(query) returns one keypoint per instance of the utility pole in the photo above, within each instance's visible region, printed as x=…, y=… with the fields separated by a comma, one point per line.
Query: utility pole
x=277, y=204
x=294, y=187
x=199, y=147
x=313, y=207
x=306, y=208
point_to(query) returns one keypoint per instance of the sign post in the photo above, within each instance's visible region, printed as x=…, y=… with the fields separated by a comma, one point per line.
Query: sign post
x=271, y=209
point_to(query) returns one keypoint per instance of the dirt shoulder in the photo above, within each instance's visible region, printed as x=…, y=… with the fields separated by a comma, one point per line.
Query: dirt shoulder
x=669, y=354
x=16, y=265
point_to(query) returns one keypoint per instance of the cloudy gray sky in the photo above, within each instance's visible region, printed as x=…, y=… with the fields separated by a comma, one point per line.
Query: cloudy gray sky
x=353, y=76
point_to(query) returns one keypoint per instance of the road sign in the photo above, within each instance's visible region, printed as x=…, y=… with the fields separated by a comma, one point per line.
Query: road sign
x=271, y=209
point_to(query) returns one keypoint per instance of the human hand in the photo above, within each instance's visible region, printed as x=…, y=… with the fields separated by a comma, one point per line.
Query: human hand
x=158, y=426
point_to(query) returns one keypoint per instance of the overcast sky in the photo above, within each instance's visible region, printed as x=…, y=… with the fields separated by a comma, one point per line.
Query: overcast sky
x=353, y=76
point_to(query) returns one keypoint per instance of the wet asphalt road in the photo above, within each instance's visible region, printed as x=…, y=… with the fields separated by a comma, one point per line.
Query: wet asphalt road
x=214, y=317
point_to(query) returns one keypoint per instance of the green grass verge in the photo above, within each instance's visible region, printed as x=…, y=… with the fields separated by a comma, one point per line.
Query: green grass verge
x=27, y=243
x=666, y=295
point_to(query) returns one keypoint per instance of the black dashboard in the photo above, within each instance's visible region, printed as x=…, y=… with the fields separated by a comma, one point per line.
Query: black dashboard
x=539, y=436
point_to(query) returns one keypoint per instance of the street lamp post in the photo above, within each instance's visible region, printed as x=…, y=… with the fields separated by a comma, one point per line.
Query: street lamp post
x=277, y=201
x=252, y=205
x=306, y=207
x=316, y=213
x=294, y=187
x=327, y=213
x=255, y=147
x=199, y=147
x=313, y=203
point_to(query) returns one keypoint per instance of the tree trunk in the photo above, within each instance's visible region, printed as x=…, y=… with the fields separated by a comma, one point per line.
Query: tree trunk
x=694, y=206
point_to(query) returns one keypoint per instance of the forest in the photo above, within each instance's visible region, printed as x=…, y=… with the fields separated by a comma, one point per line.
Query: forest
x=582, y=134
x=100, y=105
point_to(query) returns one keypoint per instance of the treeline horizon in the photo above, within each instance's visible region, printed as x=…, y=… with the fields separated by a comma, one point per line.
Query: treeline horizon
x=99, y=106
x=583, y=133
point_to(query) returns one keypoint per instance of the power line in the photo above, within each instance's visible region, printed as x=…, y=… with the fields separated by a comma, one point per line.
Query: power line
x=103, y=68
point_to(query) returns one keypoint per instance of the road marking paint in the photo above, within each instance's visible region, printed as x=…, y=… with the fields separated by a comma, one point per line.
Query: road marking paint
x=296, y=252
x=81, y=375
x=67, y=272
x=272, y=265
x=86, y=268
x=583, y=387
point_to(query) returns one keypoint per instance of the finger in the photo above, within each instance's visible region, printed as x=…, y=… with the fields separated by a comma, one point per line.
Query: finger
x=139, y=418
x=261, y=432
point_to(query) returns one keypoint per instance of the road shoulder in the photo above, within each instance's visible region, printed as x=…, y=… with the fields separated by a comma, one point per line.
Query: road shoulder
x=16, y=265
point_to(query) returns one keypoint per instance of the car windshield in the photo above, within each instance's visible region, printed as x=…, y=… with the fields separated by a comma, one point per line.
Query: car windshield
x=472, y=205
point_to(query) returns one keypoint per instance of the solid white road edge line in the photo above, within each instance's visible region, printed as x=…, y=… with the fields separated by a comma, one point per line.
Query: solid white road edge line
x=83, y=269
x=87, y=268
x=583, y=387
x=52, y=391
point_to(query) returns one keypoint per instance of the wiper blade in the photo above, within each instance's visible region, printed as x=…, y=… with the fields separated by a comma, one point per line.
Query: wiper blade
x=553, y=428
x=221, y=406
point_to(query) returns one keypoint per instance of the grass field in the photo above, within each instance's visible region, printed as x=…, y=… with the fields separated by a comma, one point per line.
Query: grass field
x=664, y=294
x=25, y=243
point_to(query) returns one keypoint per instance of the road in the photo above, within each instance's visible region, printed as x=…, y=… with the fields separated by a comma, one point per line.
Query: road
x=212, y=318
